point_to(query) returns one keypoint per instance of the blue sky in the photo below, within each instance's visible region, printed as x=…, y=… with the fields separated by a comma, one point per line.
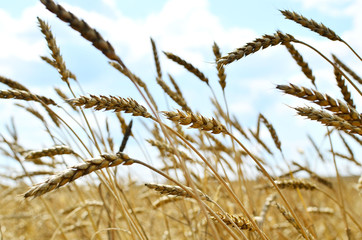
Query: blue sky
x=187, y=28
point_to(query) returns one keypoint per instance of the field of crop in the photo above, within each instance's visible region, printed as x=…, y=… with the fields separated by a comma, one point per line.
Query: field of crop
x=215, y=184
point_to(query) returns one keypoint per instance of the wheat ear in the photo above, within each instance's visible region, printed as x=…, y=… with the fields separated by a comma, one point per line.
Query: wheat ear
x=347, y=69
x=13, y=84
x=25, y=95
x=197, y=121
x=292, y=221
x=77, y=171
x=258, y=44
x=300, y=61
x=83, y=28
x=241, y=222
x=344, y=111
x=49, y=152
x=328, y=119
x=272, y=132
x=188, y=66
x=311, y=24
x=175, y=191
x=344, y=90
x=220, y=68
x=117, y=104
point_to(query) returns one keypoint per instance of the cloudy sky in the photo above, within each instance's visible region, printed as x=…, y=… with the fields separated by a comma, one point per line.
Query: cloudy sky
x=187, y=28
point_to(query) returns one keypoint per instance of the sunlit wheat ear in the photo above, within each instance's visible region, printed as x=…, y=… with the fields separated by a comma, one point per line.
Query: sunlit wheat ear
x=83, y=28
x=175, y=191
x=188, y=66
x=25, y=95
x=13, y=84
x=311, y=24
x=239, y=221
x=328, y=119
x=197, y=121
x=343, y=111
x=77, y=171
x=300, y=61
x=49, y=152
x=111, y=103
x=258, y=44
x=347, y=69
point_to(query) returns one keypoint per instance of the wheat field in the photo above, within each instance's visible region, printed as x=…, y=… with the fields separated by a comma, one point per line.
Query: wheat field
x=75, y=187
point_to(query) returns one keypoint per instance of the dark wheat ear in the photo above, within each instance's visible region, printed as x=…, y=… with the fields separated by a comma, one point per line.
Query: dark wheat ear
x=84, y=29
x=312, y=25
